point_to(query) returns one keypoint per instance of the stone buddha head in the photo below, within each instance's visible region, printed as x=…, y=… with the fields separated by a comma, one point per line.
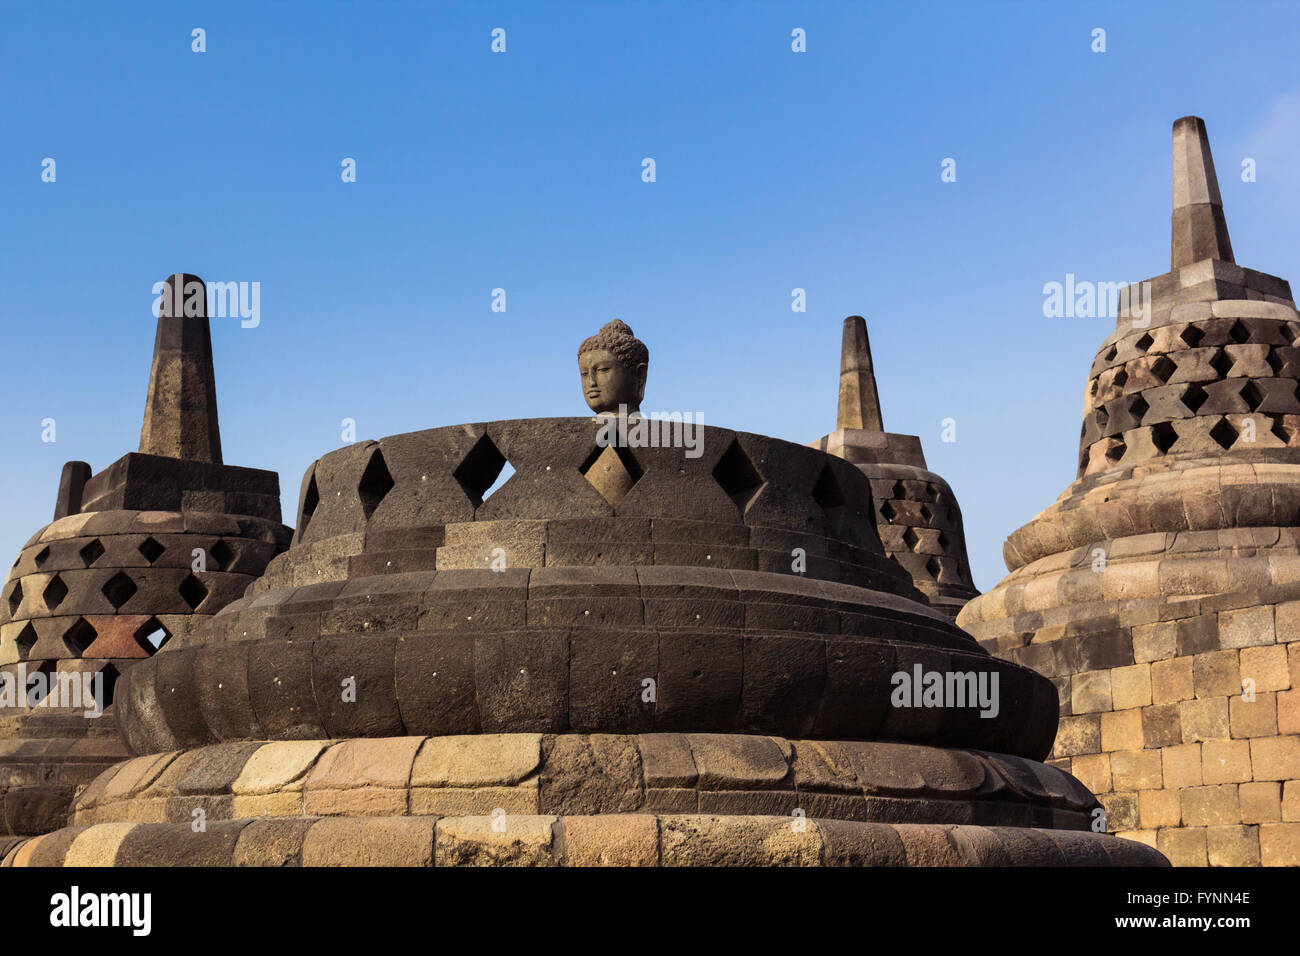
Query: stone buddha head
x=613, y=365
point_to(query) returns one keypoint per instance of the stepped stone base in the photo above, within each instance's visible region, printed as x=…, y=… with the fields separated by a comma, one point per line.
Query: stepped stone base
x=578, y=799
x=543, y=840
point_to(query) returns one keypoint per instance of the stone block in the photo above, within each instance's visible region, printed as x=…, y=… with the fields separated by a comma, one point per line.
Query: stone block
x=1159, y=808
x=1090, y=692
x=1232, y=845
x=1279, y=844
x=1204, y=719
x=1288, y=712
x=1275, y=758
x=1078, y=735
x=709, y=840
x=476, y=760
x=1210, y=806
x=1182, y=766
x=1225, y=761
x=1291, y=801
x=1266, y=666
x=1131, y=686
x=1216, y=674
x=1247, y=627
x=1122, y=730
x=383, y=841
x=1155, y=642
x=625, y=839
x=1260, y=802
x=1161, y=726
x=1184, y=846
x=1093, y=771
x=1255, y=718
x=497, y=840
x=1136, y=769
x=1172, y=680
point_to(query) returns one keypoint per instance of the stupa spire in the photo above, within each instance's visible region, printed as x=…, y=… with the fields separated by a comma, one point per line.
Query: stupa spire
x=859, y=401
x=180, y=413
x=1199, y=229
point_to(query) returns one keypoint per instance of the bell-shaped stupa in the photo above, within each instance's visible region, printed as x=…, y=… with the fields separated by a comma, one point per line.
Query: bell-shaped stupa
x=136, y=554
x=1161, y=591
x=655, y=643
x=916, y=511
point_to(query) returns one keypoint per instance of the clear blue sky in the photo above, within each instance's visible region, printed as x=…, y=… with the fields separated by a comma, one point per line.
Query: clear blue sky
x=522, y=170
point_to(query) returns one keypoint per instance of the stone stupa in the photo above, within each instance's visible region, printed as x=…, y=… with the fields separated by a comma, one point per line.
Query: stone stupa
x=1161, y=591
x=607, y=660
x=916, y=511
x=136, y=555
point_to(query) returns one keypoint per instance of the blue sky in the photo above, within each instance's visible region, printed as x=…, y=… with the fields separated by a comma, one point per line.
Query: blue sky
x=522, y=171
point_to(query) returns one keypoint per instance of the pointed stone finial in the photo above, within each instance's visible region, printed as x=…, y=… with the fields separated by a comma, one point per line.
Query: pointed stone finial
x=859, y=402
x=1200, y=230
x=180, y=414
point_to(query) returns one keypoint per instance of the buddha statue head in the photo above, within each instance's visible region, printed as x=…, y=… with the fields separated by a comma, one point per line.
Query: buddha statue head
x=613, y=365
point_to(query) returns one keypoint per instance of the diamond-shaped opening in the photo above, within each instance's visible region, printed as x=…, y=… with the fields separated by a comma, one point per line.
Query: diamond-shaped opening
x=193, y=591
x=943, y=540
x=54, y=592
x=26, y=640
x=1110, y=354
x=223, y=556
x=826, y=492
x=933, y=567
x=1103, y=416
x=43, y=556
x=37, y=690
x=1222, y=363
x=1253, y=395
x=477, y=474
x=1281, y=431
x=931, y=492
x=151, y=635
x=1163, y=368
x=1163, y=436
x=1239, y=333
x=1274, y=361
x=118, y=589
x=737, y=476
x=1192, y=335
x=15, y=597
x=111, y=674
x=375, y=483
x=926, y=513
x=611, y=470
x=911, y=538
x=1193, y=398
x=1137, y=408
x=92, y=552
x=1292, y=332
x=898, y=492
x=1120, y=379
x=1115, y=449
x=79, y=636
x=1224, y=433
x=310, y=502
x=1145, y=342
x=151, y=550
x=887, y=512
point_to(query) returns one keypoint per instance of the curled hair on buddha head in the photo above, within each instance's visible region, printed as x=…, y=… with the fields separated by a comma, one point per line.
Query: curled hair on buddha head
x=616, y=337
